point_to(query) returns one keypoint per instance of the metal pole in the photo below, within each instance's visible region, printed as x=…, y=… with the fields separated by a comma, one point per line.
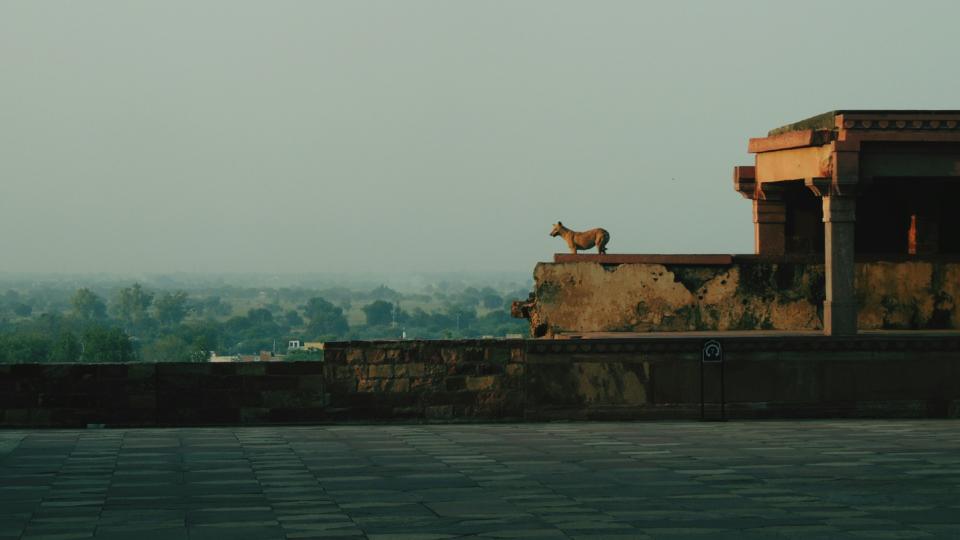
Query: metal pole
x=701, y=391
x=723, y=401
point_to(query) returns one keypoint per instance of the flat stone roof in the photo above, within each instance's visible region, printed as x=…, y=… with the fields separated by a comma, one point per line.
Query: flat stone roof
x=826, y=120
x=744, y=480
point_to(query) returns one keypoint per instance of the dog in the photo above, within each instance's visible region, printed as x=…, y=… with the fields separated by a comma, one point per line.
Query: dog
x=582, y=240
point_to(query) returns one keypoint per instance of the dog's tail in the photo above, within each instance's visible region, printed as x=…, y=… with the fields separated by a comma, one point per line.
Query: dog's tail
x=605, y=238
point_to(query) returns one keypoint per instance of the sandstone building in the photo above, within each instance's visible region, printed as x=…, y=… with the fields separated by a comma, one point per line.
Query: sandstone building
x=855, y=227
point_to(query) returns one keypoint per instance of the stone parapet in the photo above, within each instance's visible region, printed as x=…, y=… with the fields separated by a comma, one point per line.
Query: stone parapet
x=767, y=376
x=747, y=293
x=446, y=380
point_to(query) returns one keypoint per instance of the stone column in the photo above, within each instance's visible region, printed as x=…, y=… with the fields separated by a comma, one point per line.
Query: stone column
x=840, y=307
x=769, y=222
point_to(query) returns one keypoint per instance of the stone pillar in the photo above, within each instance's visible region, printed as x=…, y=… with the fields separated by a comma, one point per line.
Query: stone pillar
x=769, y=223
x=840, y=307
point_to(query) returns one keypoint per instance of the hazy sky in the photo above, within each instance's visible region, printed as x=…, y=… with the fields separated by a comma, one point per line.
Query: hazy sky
x=418, y=135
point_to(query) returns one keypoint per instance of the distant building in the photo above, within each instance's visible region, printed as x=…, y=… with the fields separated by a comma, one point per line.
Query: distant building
x=215, y=358
x=264, y=356
x=297, y=345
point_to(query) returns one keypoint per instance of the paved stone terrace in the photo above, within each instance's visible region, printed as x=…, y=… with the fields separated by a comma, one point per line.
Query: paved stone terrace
x=804, y=479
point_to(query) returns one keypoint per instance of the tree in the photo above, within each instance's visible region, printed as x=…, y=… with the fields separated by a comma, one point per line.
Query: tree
x=24, y=348
x=21, y=309
x=236, y=325
x=204, y=337
x=132, y=305
x=325, y=318
x=379, y=313
x=492, y=301
x=66, y=348
x=87, y=305
x=168, y=348
x=171, y=307
x=384, y=293
x=46, y=324
x=292, y=319
x=317, y=307
x=214, y=305
x=103, y=344
x=259, y=316
x=461, y=316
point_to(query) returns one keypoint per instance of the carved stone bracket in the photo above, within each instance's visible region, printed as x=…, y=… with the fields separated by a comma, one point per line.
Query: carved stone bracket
x=744, y=181
x=827, y=187
x=821, y=187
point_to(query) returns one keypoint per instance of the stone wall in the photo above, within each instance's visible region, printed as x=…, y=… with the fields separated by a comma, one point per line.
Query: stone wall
x=654, y=377
x=765, y=377
x=425, y=379
x=747, y=294
x=161, y=394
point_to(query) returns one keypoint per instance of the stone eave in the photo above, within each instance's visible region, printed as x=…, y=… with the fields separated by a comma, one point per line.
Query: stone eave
x=791, y=139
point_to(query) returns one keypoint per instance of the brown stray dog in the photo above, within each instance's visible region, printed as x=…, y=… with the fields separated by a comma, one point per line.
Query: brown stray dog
x=582, y=240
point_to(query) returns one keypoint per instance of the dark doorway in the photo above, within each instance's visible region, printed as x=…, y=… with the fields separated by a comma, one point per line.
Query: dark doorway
x=804, y=220
x=908, y=216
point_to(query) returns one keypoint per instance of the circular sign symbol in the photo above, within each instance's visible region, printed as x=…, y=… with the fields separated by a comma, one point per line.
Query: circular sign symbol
x=712, y=351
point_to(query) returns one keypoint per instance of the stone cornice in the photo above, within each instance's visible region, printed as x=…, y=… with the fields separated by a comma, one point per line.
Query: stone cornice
x=894, y=121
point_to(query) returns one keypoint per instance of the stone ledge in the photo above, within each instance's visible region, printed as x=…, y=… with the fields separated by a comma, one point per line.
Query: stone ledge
x=746, y=341
x=643, y=258
x=768, y=374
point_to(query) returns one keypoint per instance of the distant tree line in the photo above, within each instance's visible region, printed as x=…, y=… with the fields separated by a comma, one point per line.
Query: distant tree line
x=138, y=324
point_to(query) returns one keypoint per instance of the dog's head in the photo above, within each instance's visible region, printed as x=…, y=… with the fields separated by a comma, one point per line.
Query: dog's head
x=557, y=227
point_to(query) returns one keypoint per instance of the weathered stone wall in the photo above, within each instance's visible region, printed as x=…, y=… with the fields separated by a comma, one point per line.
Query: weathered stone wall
x=161, y=394
x=78, y=394
x=766, y=377
x=748, y=294
x=908, y=295
x=425, y=379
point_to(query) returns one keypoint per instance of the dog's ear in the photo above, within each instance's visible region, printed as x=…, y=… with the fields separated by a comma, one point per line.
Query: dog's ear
x=559, y=223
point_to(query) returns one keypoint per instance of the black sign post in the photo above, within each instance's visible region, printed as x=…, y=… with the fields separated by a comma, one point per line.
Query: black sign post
x=712, y=353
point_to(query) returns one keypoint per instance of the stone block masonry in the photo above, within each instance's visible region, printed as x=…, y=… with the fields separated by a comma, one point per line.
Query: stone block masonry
x=425, y=379
x=656, y=377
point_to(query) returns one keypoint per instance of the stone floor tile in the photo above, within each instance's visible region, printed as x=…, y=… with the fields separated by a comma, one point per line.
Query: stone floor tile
x=601, y=480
